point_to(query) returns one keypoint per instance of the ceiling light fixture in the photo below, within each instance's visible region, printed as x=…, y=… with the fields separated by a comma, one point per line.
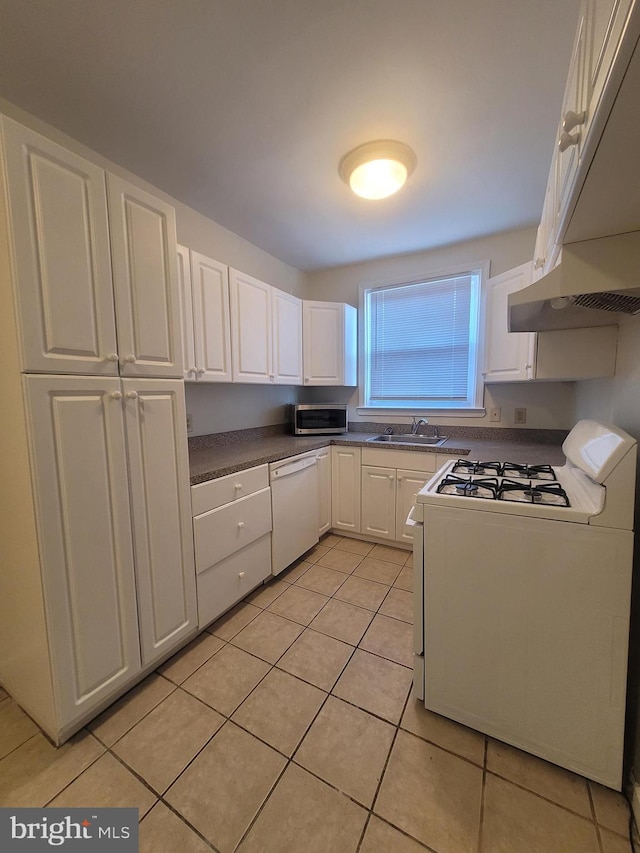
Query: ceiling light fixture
x=377, y=169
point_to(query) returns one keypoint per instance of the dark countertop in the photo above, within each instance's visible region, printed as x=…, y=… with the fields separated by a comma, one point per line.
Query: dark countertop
x=216, y=460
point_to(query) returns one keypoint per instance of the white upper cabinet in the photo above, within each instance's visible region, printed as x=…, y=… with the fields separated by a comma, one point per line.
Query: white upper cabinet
x=287, y=338
x=211, y=319
x=509, y=356
x=205, y=318
x=595, y=138
x=571, y=132
x=78, y=247
x=266, y=332
x=250, y=328
x=58, y=215
x=607, y=24
x=330, y=343
x=155, y=420
x=145, y=277
x=189, y=369
x=562, y=355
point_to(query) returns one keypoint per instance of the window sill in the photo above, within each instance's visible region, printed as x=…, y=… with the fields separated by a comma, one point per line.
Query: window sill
x=448, y=412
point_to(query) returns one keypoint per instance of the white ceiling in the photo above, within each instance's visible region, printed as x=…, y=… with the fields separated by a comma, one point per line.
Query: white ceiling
x=242, y=109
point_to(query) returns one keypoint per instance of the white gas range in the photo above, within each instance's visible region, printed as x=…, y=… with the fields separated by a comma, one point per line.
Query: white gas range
x=523, y=584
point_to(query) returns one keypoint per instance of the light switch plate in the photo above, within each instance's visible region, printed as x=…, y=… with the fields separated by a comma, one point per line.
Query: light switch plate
x=495, y=415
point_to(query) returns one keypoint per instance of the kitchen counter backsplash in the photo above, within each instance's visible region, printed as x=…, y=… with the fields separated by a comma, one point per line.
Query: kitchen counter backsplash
x=531, y=436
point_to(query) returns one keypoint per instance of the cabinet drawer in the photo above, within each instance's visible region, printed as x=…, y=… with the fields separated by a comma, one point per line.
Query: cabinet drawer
x=415, y=460
x=215, y=493
x=223, y=531
x=222, y=585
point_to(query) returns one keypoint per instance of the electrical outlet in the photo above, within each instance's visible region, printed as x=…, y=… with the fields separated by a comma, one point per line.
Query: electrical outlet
x=189, y=423
x=495, y=415
x=520, y=416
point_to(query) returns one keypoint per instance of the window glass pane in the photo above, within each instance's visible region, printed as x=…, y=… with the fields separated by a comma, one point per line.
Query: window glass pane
x=421, y=343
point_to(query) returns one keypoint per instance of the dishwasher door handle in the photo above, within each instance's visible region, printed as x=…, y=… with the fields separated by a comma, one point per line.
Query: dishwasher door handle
x=293, y=467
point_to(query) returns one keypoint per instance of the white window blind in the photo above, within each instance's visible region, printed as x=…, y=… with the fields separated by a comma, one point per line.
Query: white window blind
x=422, y=343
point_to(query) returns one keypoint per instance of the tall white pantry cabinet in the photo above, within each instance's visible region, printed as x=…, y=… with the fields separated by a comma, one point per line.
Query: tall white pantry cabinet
x=97, y=581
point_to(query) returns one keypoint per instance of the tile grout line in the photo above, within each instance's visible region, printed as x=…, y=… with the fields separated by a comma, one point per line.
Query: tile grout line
x=290, y=759
x=594, y=817
x=482, y=794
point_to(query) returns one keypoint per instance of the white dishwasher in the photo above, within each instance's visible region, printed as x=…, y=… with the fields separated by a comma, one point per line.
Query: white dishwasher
x=295, y=510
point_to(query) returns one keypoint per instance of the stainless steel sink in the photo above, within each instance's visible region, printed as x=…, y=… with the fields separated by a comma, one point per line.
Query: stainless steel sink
x=420, y=440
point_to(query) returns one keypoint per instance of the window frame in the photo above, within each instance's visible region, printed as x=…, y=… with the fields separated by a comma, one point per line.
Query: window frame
x=473, y=409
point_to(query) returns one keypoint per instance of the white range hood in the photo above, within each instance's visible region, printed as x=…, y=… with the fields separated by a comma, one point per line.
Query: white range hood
x=595, y=282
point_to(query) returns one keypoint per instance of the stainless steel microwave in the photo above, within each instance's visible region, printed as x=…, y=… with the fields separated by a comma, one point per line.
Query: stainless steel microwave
x=319, y=419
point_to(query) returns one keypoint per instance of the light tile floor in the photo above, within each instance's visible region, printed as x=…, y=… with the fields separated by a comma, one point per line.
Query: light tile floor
x=287, y=727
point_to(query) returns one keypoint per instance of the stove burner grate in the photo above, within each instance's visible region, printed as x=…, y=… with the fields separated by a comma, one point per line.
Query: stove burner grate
x=528, y=472
x=467, y=466
x=468, y=487
x=543, y=493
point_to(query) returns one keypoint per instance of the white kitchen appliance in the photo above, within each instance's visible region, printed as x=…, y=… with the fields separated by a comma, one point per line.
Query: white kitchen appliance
x=294, y=505
x=523, y=586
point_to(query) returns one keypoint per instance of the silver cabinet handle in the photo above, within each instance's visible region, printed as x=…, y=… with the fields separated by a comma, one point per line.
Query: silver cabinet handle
x=132, y=395
x=113, y=356
x=200, y=371
x=130, y=359
x=116, y=395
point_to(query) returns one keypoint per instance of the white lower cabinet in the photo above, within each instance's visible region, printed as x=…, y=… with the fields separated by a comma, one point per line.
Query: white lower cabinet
x=232, y=535
x=379, y=502
x=323, y=457
x=110, y=486
x=388, y=493
x=155, y=421
x=345, y=488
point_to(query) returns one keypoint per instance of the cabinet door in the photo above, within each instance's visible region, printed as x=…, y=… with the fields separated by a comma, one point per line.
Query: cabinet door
x=145, y=279
x=323, y=343
x=324, y=489
x=211, y=319
x=571, y=130
x=379, y=502
x=58, y=210
x=186, y=315
x=161, y=513
x=287, y=338
x=82, y=501
x=408, y=484
x=251, y=328
x=345, y=488
x=607, y=21
x=509, y=356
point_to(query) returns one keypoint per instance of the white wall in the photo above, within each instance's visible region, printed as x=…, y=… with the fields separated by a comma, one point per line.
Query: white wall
x=223, y=407
x=548, y=405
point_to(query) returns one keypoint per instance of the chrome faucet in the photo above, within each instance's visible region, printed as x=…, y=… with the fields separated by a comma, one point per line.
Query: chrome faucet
x=417, y=423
